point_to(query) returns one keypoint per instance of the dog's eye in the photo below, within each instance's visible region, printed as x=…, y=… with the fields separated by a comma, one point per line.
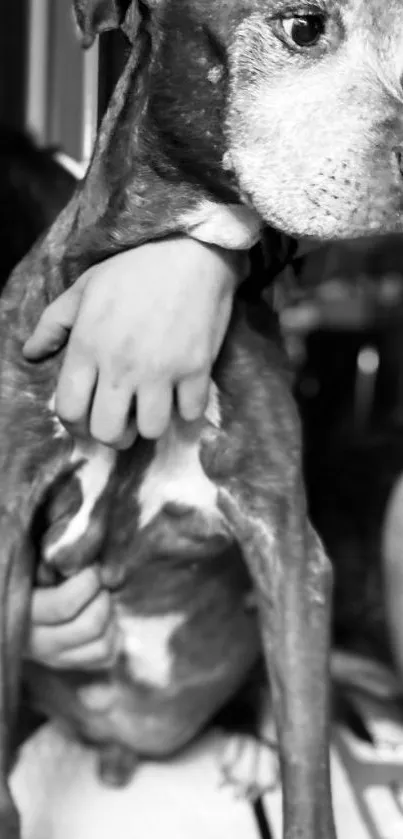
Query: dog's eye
x=305, y=30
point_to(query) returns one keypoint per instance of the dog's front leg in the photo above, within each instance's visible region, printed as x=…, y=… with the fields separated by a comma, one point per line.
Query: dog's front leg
x=292, y=577
x=15, y=589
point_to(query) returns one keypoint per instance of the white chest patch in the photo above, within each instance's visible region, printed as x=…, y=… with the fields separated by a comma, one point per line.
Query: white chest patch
x=146, y=643
x=98, y=462
x=233, y=226
x=176, y=474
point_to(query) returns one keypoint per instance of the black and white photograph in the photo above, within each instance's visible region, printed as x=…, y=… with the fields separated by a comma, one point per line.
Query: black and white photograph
x=201, y=419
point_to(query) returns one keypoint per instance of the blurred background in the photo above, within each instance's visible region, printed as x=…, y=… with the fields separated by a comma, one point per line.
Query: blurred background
x=48, y=85
x=52, y=96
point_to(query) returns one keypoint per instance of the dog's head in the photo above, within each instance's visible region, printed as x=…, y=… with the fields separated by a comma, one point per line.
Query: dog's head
x=299, y=103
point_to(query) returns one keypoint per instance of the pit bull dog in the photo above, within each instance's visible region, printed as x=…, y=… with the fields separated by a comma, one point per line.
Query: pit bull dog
x=226, y=113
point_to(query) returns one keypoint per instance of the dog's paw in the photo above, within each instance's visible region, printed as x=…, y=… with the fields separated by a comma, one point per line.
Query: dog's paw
x=116, y=765
x=249, y=765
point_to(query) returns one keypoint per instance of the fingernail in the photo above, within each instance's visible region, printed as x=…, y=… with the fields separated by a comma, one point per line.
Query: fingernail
x=128, y=438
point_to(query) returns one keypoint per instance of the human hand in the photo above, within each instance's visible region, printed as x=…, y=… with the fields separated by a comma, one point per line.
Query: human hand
x=72, y=626
x=144, y=324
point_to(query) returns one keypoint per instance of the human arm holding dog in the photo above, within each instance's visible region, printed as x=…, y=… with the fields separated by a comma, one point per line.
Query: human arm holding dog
x=72, y=625
x=145, y=323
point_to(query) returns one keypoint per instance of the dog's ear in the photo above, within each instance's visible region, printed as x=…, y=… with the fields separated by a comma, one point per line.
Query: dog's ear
x=96, y=16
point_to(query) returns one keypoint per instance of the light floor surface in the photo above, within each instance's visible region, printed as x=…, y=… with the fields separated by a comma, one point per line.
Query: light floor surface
x=60, y=797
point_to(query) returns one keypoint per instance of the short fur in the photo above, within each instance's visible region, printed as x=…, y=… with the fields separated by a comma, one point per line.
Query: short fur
x=214, y=108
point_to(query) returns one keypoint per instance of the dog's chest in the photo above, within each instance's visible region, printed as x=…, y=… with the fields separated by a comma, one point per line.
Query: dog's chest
x=175, y=477
x=179, y=595
x=173, y=481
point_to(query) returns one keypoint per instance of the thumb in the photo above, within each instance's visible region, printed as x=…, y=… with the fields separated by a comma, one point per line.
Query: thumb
x=55, y=323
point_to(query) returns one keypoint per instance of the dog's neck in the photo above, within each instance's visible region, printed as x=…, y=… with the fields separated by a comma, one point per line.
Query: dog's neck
x=160, y=160
x=145, y=181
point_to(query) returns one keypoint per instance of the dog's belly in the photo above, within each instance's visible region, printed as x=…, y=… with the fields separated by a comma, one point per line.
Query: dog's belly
x=188, y=642
x=189, y=637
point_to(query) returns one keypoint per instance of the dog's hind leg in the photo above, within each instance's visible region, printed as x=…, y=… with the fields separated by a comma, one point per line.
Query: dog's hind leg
x=117, y=765
x=248, y=752
x=19, y=503
x=15, y=589
x=292, y=577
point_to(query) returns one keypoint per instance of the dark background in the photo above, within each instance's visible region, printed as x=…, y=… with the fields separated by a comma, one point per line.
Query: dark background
x=63, y=86
x=13, y=38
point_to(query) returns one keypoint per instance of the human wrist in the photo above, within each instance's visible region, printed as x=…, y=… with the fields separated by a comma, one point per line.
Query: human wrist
x=227, y=268
x=237, y=263
x=234, y=227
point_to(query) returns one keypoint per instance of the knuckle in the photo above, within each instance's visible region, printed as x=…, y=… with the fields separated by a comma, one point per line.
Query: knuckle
x=122, y=363
x=67, y=608
x=159, y=369
x=70, y=599
x=76, y=608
